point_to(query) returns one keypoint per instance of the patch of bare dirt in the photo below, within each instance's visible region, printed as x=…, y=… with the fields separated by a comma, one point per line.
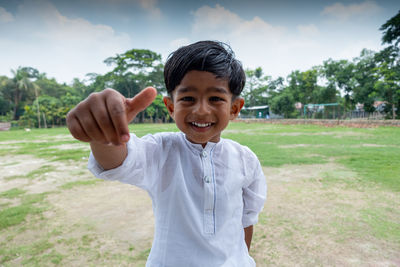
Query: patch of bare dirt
x=292, y=173
x=312, y=221
x=120, y=211
x=19, y=165
x=15, y=169
x=113, y=218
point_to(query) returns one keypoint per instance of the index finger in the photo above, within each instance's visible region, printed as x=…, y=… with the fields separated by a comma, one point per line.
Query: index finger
x=117, y=112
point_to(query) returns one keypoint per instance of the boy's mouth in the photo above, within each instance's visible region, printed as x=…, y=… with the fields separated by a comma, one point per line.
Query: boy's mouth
x=201, y=124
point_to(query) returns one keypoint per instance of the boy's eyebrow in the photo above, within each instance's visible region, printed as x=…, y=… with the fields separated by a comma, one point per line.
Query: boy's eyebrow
x=191, y=89
x=218, y=90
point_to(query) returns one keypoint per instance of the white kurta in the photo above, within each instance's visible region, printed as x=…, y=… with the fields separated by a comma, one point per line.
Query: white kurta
x=202, y=197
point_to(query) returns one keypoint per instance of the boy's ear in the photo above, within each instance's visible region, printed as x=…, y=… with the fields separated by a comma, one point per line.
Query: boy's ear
x=169, y=104
x=236, y=106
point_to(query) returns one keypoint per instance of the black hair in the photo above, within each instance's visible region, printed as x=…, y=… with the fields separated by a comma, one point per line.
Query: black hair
x=212, y=56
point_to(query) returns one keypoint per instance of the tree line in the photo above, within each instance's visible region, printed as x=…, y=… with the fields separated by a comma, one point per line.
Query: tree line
x=32, y=99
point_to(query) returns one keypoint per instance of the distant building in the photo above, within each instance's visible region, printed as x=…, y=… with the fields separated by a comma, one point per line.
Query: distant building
x=260, y=112
x=380, y=105
x=359, y=107
x=298, y=105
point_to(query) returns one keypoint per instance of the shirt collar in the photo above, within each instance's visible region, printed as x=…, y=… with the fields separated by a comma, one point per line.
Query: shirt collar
x=198, y=147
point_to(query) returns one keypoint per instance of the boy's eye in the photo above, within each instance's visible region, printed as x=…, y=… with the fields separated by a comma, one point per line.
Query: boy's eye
x=216, y=99
x=187, y=99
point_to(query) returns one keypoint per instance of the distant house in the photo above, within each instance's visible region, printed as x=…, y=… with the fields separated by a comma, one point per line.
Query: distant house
x=359, y=107
x=379, y=105
x=255, y=112
x=298, y=105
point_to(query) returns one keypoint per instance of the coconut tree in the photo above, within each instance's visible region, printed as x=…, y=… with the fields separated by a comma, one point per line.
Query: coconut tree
x=20, y=87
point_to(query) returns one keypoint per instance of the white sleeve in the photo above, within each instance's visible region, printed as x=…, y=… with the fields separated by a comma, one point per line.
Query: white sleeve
x=139, y=168
x=254, y=196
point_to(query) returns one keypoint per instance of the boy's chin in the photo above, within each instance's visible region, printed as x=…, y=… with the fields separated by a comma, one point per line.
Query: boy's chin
x=202, y=141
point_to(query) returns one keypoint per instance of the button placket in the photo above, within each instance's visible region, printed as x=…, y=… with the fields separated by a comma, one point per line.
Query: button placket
x=209, y=220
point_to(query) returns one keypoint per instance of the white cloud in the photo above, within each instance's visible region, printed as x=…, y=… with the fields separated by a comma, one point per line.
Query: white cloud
x=151, y=6
x=308, y=30
x=257, y=42
x=63, y=47
x=221, y=22
x=218, y=18
x=5, y=16
x=278, y=50
x=344, y=12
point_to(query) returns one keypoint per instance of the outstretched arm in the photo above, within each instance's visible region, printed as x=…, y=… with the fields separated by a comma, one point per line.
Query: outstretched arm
x=248, y=234
x=102, y=120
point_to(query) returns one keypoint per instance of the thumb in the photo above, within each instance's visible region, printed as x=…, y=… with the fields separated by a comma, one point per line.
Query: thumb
x=140, y=102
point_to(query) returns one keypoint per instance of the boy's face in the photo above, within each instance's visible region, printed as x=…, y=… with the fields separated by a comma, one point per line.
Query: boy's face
x=202, y=106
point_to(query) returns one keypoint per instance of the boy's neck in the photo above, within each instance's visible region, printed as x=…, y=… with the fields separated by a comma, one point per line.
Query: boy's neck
x=203, y=145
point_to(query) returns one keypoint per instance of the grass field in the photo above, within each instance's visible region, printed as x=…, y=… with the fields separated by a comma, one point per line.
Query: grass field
x=333, y=199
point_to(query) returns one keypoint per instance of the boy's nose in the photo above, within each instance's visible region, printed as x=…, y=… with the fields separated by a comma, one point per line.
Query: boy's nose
x=202, y=108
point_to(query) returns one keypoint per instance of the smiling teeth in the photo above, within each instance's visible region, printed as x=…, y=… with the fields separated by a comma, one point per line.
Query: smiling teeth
x=201, y=124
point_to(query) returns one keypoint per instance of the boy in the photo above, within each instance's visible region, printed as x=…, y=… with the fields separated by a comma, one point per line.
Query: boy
x=206, y=191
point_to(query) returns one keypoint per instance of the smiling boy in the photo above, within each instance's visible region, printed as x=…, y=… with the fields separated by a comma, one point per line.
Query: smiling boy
x=206, y=191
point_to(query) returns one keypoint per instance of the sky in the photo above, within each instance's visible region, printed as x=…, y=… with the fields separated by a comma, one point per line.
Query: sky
x=68, y=39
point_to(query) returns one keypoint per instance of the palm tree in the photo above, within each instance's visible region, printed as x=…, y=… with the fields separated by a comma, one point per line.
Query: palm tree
x=20, y=85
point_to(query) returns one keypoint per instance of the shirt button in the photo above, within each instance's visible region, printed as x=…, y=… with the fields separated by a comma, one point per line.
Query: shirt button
x=207, y=179
x=204, y=154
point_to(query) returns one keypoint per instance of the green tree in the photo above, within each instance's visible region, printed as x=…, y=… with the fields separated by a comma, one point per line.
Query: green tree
x=340, y=77
x=20, y=88
x=97, y=82
x=391, y=30
x=303, y=86
x=5, y=103
x=365, y=78
x=255, y=92
x=283, y=104
x=388, y=61
x=50, y=87
x=79, y=89
x=132, y=70
x=388, y=84
x=157, y=110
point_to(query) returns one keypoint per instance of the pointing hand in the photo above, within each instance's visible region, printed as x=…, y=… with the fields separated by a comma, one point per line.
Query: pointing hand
x=104, y=117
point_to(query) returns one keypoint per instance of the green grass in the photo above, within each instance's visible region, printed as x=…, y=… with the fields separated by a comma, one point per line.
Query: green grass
x=371, y=167
x=380, y=225
x=40, y=171
x=49, y=150
x=31, y=204
x=41, y=143
x=35, y=254
x=12, y=193
x=277, y=145
x=71, y=185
